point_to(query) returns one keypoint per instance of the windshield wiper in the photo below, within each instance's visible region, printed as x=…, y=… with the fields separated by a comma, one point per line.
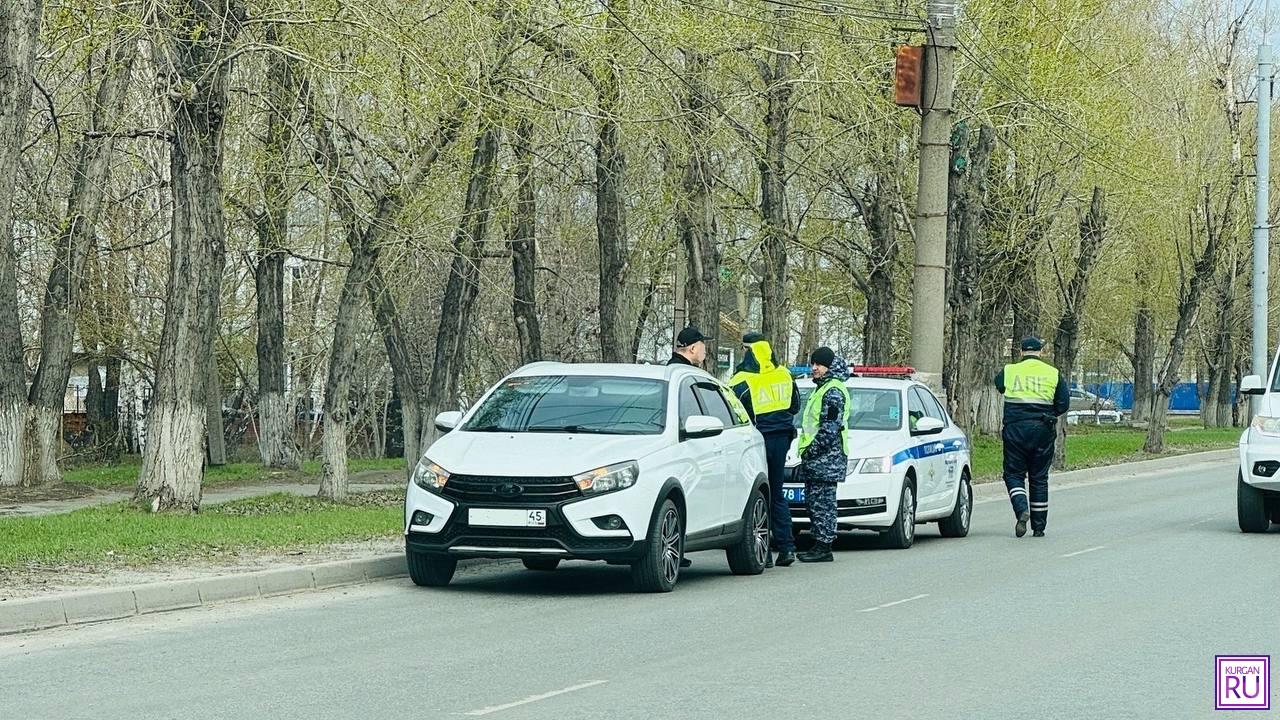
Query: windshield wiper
x=572, y=429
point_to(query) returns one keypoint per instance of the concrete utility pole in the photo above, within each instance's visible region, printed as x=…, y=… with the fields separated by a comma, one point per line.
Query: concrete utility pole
x=928, y=298
x=1262, y=219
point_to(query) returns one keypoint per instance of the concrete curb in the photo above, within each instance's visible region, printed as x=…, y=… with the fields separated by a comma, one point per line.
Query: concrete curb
x=95, y=606
x=1109, y=473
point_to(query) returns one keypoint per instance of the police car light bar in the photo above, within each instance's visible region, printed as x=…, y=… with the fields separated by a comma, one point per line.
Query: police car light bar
x=890, y=371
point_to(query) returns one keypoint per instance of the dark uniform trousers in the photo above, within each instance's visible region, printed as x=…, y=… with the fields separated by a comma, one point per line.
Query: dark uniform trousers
x=820, y=500
x=1028, y=452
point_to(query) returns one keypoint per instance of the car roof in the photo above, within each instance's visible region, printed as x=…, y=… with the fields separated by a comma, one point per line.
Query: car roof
x=622, y=370
x=873, y=383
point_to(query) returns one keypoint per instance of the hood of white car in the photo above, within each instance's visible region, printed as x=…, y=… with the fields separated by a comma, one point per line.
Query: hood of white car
x=537, y=454
x=862, y=444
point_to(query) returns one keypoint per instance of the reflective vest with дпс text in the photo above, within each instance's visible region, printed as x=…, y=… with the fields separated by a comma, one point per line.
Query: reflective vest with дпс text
x=813, y=416
x=1030, y=382
x=770, y=391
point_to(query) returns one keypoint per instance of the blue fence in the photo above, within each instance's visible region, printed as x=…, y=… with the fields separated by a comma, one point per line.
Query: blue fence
x=1185, y=397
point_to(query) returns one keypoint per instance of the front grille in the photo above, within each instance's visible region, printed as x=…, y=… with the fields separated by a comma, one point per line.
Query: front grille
x=494, y=490
x=554, y=535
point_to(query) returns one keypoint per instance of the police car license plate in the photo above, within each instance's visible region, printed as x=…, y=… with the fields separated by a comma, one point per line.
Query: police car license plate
x=502, y=517
x=793, y=493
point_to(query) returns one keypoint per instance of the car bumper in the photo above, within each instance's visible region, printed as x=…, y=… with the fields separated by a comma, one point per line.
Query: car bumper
x=449, y=532
x=852, y=496
x=1260, y=460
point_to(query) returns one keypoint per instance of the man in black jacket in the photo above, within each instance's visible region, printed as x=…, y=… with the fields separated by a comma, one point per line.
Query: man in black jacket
x=691, y=348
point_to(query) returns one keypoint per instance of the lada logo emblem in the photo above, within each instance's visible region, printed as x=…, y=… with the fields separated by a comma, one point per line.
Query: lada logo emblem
x=509, y=490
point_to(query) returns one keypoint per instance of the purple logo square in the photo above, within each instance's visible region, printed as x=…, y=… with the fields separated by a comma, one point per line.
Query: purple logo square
x=1242, y=682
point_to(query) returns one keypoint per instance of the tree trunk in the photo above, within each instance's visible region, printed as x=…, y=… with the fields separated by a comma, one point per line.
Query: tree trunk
x=106, y=435
x=275, y=426
x=1144, y=356
x=970, y=308
x=216, y=444
x=342, y=362
x=880, y=220
x=810, y=334
x=773, y=201
x=19, y=28
x=611, y=216
x=172, y=462
x=464, y=278
x=1216, y=406
x=1066, y=338
x=63, y=290
x=695, y=211
x=524, y=250
x=1188, y=309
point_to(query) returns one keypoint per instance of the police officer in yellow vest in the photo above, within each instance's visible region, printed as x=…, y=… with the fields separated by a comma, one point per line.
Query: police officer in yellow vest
x=1034, y=396
x=769, y=393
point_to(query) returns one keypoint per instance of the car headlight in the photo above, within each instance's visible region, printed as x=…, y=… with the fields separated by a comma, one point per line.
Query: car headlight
x=876, y=465
x=430, y=476
x=608, y=479
x=1269, y=426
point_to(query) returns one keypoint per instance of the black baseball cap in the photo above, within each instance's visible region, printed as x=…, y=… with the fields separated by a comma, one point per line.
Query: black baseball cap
x=1032, y=344
x=752, y=338
x=690, y=336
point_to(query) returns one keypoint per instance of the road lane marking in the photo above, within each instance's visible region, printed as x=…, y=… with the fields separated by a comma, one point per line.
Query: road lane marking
x=533, y=699
x=891, y=604
x=1081, y=552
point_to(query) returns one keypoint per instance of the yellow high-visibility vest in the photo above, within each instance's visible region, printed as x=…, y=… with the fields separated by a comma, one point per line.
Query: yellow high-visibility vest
x=770, y=388
x=1030, y=382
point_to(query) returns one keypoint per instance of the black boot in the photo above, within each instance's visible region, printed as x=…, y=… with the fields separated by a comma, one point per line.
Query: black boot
x=768, y=559
x=786, y=558
x=1038, y=533
x=1021, y=528
x=821, y=552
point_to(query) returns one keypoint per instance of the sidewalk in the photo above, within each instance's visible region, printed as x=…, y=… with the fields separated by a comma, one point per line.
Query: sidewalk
x=373, y=481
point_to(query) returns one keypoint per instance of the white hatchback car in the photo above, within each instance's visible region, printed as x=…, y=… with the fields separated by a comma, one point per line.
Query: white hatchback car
x=1258, y=478
x=630, y=464
x=905, y=468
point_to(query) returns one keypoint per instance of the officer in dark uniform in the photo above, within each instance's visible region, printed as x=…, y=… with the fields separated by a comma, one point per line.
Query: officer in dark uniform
x=824, y=449
x=1034, y=396
x=691, y=348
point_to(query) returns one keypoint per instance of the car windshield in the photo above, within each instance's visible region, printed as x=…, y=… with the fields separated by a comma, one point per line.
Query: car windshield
x=872, y=408
x=574, y=404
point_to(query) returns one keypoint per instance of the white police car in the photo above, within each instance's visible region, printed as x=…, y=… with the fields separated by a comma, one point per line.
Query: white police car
x=908, y=464
x=1258, y=479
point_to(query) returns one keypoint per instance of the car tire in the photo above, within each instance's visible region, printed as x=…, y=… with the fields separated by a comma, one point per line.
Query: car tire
x=659, y=568
x=748, y=555
x=956, y=525
x=541, y=564
x=1251, y=507
x=430, y=569
x=903, y=532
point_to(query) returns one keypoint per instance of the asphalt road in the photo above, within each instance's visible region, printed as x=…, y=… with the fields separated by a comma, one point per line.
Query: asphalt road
x=1118, y=613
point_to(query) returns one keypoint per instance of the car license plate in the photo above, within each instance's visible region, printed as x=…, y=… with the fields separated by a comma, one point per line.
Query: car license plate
x=503, y=517
x=793, y=494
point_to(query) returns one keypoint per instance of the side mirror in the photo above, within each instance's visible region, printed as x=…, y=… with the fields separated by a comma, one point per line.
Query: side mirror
x=447, y=421
x=702, y=426
x=928, y=426
x=1252, y=385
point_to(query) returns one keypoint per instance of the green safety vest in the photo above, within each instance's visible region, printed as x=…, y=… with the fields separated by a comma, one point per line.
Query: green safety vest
x=813, y=416
x=1030, y=382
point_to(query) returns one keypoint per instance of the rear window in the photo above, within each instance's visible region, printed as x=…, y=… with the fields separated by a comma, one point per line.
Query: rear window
x=574, y=404
x=872, y=408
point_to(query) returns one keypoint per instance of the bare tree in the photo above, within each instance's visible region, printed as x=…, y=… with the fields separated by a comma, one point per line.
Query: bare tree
x=19, y=25
x=695, y=219
x=275, y=443
x=202, y=34
x=62, y=296
x=524, y=244
x=1066, y=338
x=773, y=198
